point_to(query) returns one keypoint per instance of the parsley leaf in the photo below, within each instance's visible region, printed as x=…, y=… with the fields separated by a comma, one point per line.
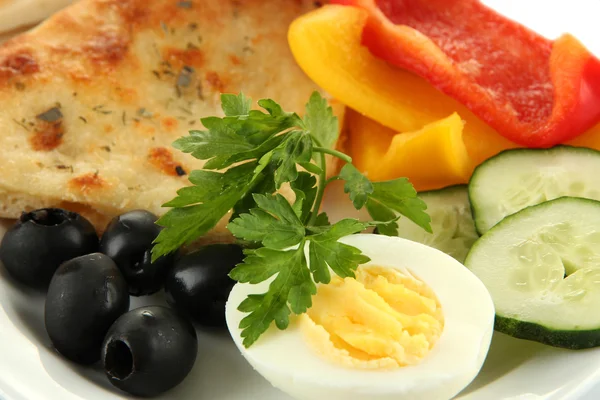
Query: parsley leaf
x=275, y=109
x=197, y=211
x=265, y=184
x=255, y=152
x=305, y=189
x=292, y=289
x=320, y=121
x=385, y=199
x=242, y=135
x=326, y=252
x=233, y=105
x=206, y=185
x=293, y=286
x=399, y=195
x=249, y=155
x=357, y=185
x=215, y=145
x=296, y=149
x=322, y=220
x=379, y=212
x=223, y=144
x=274, y=223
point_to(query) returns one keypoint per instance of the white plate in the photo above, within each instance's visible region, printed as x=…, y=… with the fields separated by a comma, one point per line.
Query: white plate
x=31, y=370
x=514, y=369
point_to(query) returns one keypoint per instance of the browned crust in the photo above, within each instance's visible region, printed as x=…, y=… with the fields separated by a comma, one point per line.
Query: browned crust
x=87, y=183
x=179, y=58
x=48, y=136
x=162, y=158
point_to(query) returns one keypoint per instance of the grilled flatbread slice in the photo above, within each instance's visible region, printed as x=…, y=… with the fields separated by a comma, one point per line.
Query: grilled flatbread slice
x=93, y=98
x=16, y=14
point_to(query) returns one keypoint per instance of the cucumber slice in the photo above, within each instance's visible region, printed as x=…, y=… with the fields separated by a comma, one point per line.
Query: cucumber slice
x=451, y=221
x=515, y=179
x=542, y=268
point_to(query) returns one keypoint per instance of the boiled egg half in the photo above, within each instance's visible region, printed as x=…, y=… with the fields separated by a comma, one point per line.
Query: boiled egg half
x=413, y=324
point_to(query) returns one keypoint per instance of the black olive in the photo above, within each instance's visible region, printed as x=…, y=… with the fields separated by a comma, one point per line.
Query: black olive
x=41, y=240
x=128, y=241
x=85, y=297
x=199, y=284
x=149, y=350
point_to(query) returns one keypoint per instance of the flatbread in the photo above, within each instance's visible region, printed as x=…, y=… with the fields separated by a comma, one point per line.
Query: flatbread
x=16, y=14
x=93, y=98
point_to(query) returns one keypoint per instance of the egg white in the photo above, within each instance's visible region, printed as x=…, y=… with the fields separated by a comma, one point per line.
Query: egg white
x=286, y=360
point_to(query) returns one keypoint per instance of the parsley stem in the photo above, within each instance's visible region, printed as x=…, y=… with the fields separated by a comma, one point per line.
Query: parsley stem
x=335, y=153
x=333, y=178
x=320, y=189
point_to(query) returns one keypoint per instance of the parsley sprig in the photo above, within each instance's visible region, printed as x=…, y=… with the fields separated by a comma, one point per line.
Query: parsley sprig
x=249, y=155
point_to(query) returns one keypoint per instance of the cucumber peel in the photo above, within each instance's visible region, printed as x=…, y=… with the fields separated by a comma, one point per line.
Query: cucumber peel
x=573, y=339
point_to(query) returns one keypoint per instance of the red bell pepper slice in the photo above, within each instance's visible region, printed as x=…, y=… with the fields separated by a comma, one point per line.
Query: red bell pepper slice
x=532, y=90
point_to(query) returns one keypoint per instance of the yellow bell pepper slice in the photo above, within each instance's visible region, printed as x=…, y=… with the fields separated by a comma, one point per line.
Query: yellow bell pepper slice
x=590, y=139
x=432, y=157
x=327, y=45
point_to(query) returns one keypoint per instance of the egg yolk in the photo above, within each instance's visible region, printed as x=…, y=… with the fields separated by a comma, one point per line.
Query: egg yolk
x=382, y=319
